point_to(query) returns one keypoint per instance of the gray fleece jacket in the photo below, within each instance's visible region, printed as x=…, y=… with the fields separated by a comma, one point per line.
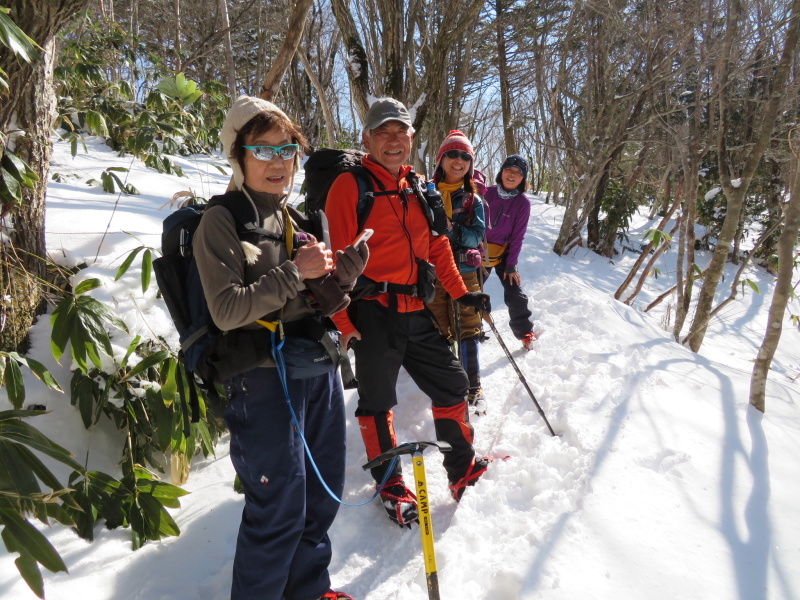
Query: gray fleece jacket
x=239, y=291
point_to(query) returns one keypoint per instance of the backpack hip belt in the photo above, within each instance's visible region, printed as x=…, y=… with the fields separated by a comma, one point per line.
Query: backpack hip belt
x=383, y=287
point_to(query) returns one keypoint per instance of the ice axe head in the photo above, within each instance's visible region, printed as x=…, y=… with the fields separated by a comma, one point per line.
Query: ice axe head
x=407, y=448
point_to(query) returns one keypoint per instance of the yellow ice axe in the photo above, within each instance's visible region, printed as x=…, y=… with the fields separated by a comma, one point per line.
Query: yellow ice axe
x=415, y=449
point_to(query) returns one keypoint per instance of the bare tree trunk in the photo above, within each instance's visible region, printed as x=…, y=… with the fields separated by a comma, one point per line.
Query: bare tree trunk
x=330, y=124
x=355, y=58
x=460, y=81
x=134, y=28
x=593, y=213
x=178, y=34
x=393, y=43
x=32, y=109
x=571, y=226
x=226, y=43
x=780, y=297
x=502, y=72
x=686, y=250
x=692, y=149
x=261, y=36
x=643, y=256
x=664, y=188
x=283, y=60
x=651, y=263
x=736, y=194
x=775, y=214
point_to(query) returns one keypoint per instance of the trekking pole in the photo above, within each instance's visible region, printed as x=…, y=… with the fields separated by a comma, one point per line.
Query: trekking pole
x=457, y=327
x=488, y=318
x=425, y=520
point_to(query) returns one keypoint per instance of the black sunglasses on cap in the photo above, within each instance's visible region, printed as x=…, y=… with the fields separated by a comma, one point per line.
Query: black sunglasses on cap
x=515, y=161
x=465, y=156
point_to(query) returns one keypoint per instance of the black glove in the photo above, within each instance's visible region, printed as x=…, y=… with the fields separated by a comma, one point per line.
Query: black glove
x=350, y=263
x=477, y=300
x=329, y=296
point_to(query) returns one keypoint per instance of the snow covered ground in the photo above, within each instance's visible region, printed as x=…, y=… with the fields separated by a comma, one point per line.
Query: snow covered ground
x=662, y=483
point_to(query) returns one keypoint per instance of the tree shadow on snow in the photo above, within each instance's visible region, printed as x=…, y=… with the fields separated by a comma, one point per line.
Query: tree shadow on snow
x=750, y=549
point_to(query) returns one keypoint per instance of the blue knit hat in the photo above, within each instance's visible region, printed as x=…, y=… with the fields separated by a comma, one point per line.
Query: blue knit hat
x=515, y=160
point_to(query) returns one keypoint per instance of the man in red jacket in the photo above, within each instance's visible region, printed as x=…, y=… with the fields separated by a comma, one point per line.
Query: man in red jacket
x=392, y=328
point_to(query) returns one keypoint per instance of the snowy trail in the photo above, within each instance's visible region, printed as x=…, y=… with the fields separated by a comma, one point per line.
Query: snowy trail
x=545, y=479
x=586, y=375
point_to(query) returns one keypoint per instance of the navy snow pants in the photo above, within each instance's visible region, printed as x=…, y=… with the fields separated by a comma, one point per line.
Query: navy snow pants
x=283, y=550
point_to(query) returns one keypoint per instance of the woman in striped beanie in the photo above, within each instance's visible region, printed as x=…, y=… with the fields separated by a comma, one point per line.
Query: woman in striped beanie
x=454, y=178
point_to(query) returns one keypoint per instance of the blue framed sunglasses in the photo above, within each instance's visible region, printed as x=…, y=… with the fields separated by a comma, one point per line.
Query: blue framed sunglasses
x=267, y=153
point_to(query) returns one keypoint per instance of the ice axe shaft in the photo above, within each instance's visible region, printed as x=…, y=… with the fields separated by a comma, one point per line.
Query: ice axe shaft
x=426, y=526
x=423, y=504
x=488, y=318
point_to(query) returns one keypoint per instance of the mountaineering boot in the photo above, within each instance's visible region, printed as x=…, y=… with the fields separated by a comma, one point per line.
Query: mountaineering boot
x=476, y=469
x=332, y=595
x=377, y=431
x=527, y=341
x=400, y=502
x=477, y=402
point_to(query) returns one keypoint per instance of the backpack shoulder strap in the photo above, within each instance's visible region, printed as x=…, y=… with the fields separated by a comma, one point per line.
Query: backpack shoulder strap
x=303, y=222
x=369, y=188
x=367, y=184
x=239, y=205
x=245, y=214
x=418, y=184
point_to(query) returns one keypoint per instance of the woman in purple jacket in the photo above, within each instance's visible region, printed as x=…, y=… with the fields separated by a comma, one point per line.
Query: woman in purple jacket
x=507, y=214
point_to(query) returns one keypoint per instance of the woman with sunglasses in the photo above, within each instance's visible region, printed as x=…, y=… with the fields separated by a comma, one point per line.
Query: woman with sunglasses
x=454, y=178
x=509, y=210
x=282, y=550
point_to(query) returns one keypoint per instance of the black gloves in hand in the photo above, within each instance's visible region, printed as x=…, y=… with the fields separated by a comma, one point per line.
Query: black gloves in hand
x=350, y=263
x=329, y=296
x=477, y=300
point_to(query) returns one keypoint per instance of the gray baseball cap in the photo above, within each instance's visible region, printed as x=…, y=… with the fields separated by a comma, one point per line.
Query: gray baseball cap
x=386, y=109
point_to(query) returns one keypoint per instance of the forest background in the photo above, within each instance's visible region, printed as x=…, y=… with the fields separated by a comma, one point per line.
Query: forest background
x=687, y=108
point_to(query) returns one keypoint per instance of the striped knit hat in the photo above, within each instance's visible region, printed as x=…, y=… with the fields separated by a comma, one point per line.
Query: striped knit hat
x=456, y=140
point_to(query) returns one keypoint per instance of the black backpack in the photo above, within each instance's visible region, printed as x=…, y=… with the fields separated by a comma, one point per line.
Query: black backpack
x=321, y=170
x=326, y=164
x=205, y=351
